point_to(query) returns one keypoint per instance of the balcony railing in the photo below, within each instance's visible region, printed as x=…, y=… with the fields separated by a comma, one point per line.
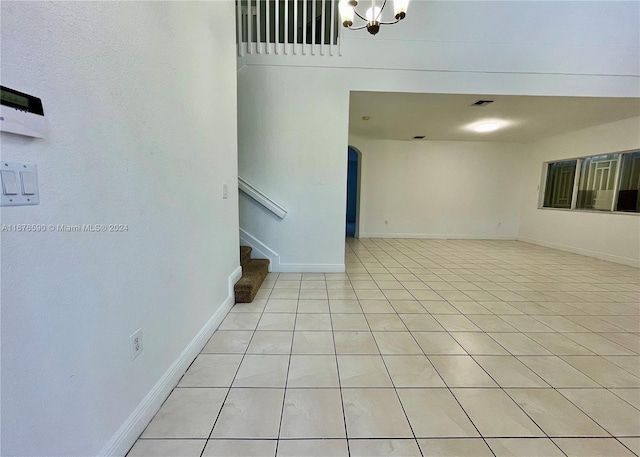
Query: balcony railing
x=288, y=27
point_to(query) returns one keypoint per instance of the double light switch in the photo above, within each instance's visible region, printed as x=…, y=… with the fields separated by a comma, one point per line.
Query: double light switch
x=19, y=184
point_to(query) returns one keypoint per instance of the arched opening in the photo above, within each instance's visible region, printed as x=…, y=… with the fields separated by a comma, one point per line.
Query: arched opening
x=353, y=192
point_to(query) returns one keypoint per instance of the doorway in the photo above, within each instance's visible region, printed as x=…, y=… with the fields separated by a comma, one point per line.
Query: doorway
x=353, y=176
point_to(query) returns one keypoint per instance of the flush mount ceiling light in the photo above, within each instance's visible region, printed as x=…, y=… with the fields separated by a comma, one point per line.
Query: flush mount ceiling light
x=372, y=16
x=486, y=127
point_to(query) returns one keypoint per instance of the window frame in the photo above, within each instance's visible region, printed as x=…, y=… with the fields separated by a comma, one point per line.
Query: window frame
x=546, y=171
x=544, y=182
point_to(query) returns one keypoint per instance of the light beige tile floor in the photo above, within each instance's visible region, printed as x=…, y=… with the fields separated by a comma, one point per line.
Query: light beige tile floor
x=423, y=347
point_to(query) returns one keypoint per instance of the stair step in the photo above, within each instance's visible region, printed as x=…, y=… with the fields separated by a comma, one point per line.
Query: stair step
x=245, y=255
x=253, y=274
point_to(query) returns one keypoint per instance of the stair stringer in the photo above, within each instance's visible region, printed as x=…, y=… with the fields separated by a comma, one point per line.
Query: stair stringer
x=261, y=249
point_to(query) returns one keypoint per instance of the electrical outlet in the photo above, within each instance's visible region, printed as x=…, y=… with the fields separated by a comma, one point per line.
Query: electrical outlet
x=225, y=191
x=135, y=343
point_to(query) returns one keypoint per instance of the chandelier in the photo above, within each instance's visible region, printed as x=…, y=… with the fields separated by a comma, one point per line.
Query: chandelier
x=372, y=16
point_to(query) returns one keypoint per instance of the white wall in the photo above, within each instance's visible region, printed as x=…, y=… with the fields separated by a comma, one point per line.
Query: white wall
x=552, y=37
x=140, y=99
x=290, y=164
x=439, y=189
x=293, y=138
x=293, y=109
x=609, y=236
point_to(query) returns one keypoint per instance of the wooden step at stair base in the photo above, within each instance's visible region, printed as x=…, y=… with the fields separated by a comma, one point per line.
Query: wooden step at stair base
x=253, y=273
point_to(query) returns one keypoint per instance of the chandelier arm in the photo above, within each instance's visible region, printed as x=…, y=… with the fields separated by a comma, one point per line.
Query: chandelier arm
x=373, y=25
x=360, y=16
x=380, y=12
x=377, y=17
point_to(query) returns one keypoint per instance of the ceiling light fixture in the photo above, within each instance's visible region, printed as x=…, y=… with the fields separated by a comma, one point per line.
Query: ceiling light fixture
x=372, y=16
x=486, y=127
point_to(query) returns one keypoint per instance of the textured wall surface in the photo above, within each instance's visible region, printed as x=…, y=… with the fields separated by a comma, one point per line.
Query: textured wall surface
x=140, y=100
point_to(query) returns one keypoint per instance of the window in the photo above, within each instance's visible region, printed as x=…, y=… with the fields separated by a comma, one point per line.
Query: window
x=607, y=182
x=629, y=183
x=560, y=178
x=597, y=177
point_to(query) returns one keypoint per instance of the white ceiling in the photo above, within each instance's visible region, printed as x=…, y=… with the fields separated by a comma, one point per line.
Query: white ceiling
x=401, y=116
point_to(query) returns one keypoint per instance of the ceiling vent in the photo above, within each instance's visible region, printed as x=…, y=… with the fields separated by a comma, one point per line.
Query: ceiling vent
x=482, y=103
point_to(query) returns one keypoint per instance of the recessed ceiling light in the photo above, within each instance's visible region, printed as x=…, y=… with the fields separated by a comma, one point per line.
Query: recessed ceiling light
x=486, y=127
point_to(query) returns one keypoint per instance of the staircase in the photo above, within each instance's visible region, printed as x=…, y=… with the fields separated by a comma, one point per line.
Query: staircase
x=253, y=273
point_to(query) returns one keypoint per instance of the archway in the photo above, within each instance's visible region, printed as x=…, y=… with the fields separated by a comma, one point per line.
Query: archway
x=353, y=192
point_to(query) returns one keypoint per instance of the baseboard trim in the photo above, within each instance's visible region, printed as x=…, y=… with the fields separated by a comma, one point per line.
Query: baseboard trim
x=260, y=248
x=233, y=279
x=431, y=236
x=586, y=252
x=310, y=268
x=135, y=424
x=276, y=266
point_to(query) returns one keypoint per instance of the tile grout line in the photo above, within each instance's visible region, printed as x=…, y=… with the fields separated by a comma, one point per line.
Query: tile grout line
x=513, y=355
x=286, y=379
x=444, y=382
x=415, y=438
x=487, y=266
x=335, y=352
x=504, y=390
x=482, y=368
x=234, y=377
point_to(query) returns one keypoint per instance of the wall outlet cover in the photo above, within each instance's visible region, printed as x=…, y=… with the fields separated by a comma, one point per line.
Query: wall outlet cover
x=135, y=343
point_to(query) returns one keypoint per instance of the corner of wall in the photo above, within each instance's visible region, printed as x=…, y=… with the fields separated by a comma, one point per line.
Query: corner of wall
x=525, y=163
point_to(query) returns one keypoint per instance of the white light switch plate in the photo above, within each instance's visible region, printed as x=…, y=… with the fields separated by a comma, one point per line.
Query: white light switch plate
x=28, y=191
